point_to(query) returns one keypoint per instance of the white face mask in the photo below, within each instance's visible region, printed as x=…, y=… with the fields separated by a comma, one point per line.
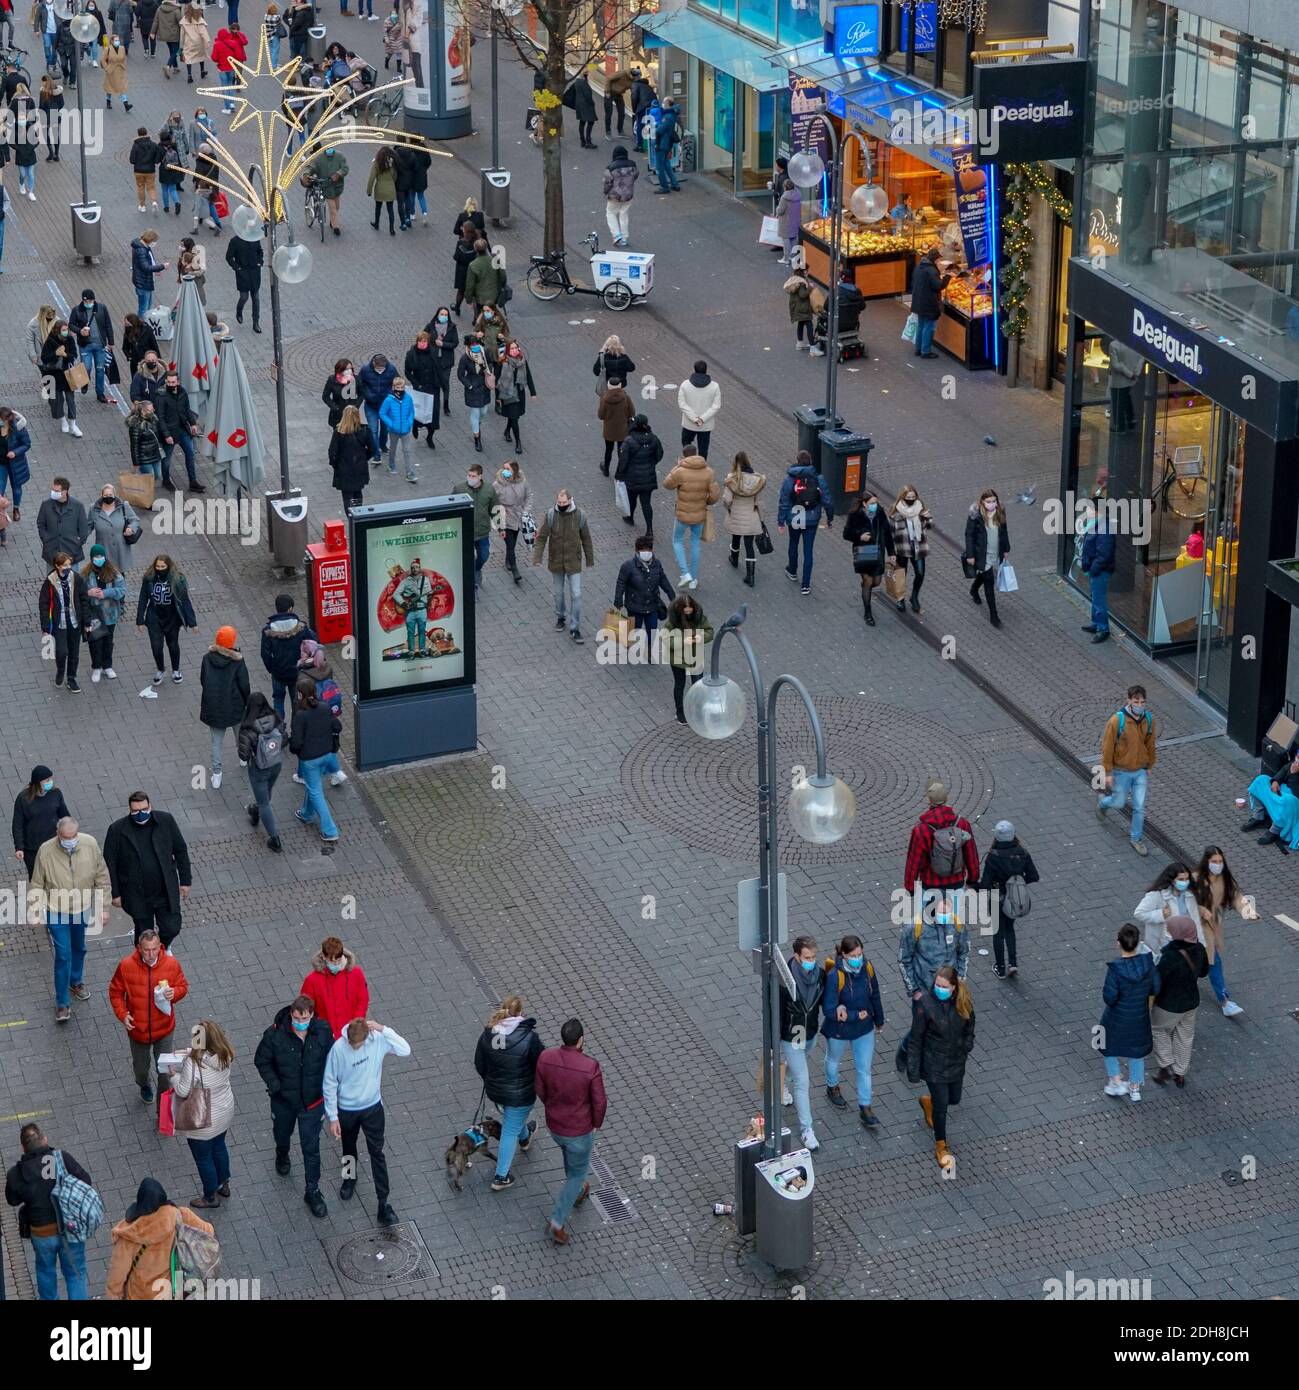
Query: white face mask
x=646, y=555
x=990, y=505
x=68, y=845
x=1216, y=868
x=56, y=496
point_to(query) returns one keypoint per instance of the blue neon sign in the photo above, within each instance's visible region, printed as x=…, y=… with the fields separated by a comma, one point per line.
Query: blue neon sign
x=926, y=27
x=857, y=31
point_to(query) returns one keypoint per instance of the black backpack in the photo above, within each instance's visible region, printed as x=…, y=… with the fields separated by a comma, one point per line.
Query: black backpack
x=807, y=492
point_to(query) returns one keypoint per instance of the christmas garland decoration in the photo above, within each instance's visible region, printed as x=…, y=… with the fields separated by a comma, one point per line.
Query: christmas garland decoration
x=1024, y=180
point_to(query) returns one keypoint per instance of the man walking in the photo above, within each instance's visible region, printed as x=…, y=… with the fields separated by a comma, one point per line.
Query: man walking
x=93, y=329
x=1097, y=562
x=565, y=532
x=571, y=1087
x=179, y=425
x=29, y=1186
x=1127, y=755
x=619, y=188
x=353, y=1102
x=144, y=991
x=485, y=502
x=148, y=863
x=72, y=879
x=291, y=1059
x=62, y=524
x=282, y=640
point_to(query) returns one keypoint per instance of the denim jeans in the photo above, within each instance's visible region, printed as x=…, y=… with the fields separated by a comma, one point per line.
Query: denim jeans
x=68, y=942
x=514, y=1119
x=262, y=781
x=1126, y=783
x=5, y=476
x=279, y=689
x=185, y=443
x=51, y=1252
x=809, y=544
x=574, y=589
x=227, y=80
x=27, y=178
x=170, y=194
x=212, y=1160
x=314, y=806
x=1136, y=1069
x=863, y=1054
x=577, y=1164
x=378, y=432
x=219, y=738
x=482, y=551
x=173, y=55
x=96, y=360
x=51, y=59
x=799, y=1082
x=1100, y=588
x=416, y=623
x=143, y=301
x=476, y=418
x=925, y=335
x=695, y=530
x=1217, y=979
x=667, y=175
x=274, y=45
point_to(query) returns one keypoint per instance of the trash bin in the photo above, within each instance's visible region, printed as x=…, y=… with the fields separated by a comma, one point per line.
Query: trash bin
x=87, y=230
x=843, y=465
x=316, y=43
x=811, y=420
x=784, y=1209
x=494, y=196
x=748, y=1153
x=286, y=527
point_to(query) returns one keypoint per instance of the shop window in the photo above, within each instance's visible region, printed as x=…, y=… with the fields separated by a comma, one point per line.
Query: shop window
x=799, y=20
x=759, y=16
x=724, y=111
x=711, y=5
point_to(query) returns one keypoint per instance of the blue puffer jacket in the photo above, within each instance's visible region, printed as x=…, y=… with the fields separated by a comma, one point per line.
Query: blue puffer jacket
x=143, y=265
x=812, y=515
x=1098, y=552
x=860, y=992
x=398, y=412
x=1129, y=982
x=375, y=385
x=667, y=124
x=16, y=442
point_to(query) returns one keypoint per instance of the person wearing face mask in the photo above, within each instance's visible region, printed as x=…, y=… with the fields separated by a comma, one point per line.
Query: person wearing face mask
x=260, y=741
x=506, y=1059
x=180, y=427
x=424, y=383
x=71, y=879
x=64, y=616
x=58, y=353
x=804, y=502
x=340, y=391
x=1172, y=894
x=513, y=378
x=444, y=338
x=616, y=410
x=38, y=808
x=638, y=458
x=800, y=1021
x=143, y=993
x=463, y=256
x=291, y=1059
x=92, y=327
x=337, y=986
x=207, y=1066
x=852, y=1011
x=911, y=520
x=513, y=493
x=15, y=441
x=116, y=527
x=483, y=280
x=397, y=417
x=349, y=454
x=478, y=377
x=163, y=609
x=1183, y=963
x=148, y=861
x=1128, y=753
x=564, y=532
x=942, y=1038
x=374, y=381
x=1008, y=870
x=62, y=524
x=149, y=380
x=330, y=168
x=493, y=330
x=486, y=503
x=987, y=543
x=105, y=595
x=115, y=76
x=867, y=529
x=1130, y=981
x=1218, y=892
x=688, y=633
x=636, y=592
x=937, y=937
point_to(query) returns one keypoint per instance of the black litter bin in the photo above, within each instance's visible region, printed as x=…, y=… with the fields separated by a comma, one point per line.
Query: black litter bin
x=811, y=420
x=843, y=465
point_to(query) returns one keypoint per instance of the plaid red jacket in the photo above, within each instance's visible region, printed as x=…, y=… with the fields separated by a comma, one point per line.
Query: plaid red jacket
x=922, y=841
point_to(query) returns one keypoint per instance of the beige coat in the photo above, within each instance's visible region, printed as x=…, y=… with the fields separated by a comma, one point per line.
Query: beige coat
x=217, y=1080
x=114, y=61
x=195, y=40
x=67, y=883
x=696, y=489
x=740, y=498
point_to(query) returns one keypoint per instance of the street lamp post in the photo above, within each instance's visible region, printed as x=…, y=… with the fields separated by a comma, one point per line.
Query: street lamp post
x=821, y=808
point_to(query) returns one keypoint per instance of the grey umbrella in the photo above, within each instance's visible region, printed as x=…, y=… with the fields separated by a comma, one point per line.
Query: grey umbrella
x=234, y=437
x=193, y=351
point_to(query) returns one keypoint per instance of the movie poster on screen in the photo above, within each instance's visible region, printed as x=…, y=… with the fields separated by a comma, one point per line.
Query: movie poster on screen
x=415, y=42
x=455, y=69
x=416, y=619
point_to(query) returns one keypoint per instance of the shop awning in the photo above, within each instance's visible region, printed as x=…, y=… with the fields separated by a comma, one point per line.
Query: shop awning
x=746, y=60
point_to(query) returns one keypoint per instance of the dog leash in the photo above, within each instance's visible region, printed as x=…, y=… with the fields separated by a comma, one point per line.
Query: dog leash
x=482, y=1108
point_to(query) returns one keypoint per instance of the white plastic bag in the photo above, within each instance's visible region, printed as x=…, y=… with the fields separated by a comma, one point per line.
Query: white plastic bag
x=770, y=234
x=1006, y=581
x=423, y=403
x=910, y=328
x=621, y=497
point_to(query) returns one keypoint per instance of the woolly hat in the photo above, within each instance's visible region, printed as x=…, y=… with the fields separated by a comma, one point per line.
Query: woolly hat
x=98, y=550
x=39, y=773
x=937, y=793
x=1003, y=830
x=227, y=637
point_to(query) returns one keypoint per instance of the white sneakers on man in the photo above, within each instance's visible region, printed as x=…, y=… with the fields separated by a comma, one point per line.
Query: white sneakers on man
x=809, y=1139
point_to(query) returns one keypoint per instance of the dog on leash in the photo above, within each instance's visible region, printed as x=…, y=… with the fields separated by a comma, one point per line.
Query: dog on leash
x=464, y=1146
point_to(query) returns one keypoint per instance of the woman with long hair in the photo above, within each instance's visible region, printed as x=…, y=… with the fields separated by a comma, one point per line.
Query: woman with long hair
x=144, y=431
x=987, y=543
x=1172, y=894
x=207, y=1067
x=349, y=456
x=688, y=633
x=192, y=261
x=853, y=1011
x=58, y=353
x=444, y=338
x=137, y=339
x=105, y=595
x=314, y=739
x=911, y=519
x=381, y=185
x=1183, y=963
x=612, y=361
x=942, y=1037
x=513, y=492
x=163, y=609
x=870, y=533
x=195, y=42
x=50, y=103
x=742, y=519
x=506, y=1059
x=513, y=386
x=15, y=441
x=1219, y=893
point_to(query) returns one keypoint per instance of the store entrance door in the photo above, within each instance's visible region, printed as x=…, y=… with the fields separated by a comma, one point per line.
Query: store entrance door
x=1221, y=555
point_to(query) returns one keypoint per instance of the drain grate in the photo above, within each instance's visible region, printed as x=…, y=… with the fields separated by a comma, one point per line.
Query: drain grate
x=376, y=1259
x=610, y=1200
x=1233, y=1177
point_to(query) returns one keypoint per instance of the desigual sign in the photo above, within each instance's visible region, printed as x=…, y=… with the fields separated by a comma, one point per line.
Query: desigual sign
x=1162, y=340
x=1030, y=111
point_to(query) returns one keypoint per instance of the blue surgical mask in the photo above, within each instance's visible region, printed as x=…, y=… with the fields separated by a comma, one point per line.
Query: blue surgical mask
x=945, y=919
x=808, y=965
x=140, y=817
x=507, y=474
x=852, y=964
x=301, y=1027
x=1181, y=884
x=336, y=965
x=443, y=318
x=47, y=786
x=69, y=845
x=871, y=508
x=488, y=315
x=97, y=561
x=943, y=992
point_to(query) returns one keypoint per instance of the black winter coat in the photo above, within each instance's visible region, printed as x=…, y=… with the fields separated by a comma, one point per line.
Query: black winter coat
x=638, y=586
x=349, y=457
x=976, y=537
x=136, y=344
x=613, y=364
x=805, y=1011
x=477, y=391
x=410, y=168
x=175, y=414
x=510, y=1073
x=1181, y=965
x=941, y=1040
x=927, y=286
x=1004, y=861
x=315, y=732
x=638, y=456
x=421, y=369
x=124, y=863
x=463, y=254
x=245, y=258
x=294, y=1072
x=36, y=821
x=862, y=529
x=583, y=99
x=224, y=679
x=333, y=396
x=450, y=341
x=477, y=217
x=26, y=1189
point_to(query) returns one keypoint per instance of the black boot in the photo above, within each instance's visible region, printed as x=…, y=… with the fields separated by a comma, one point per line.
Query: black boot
x=751, y=573
x=735, y=557
x=866, y=611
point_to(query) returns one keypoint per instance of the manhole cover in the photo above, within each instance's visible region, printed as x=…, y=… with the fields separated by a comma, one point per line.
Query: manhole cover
x=728, y=1265
x=376, y=1258
x=705, y=793
x=1081, y=723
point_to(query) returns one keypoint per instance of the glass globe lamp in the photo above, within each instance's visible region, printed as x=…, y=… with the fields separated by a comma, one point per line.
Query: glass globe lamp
x=715, y=707
x=822, y=809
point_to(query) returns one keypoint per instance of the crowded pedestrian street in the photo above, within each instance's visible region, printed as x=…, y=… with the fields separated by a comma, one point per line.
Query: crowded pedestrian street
x=1071, y=1064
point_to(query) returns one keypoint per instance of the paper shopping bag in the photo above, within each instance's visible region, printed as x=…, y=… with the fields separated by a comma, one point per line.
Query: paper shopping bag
x=1006, y=581
x=166, y=1119
x=622, y=628
x=770, y=234
x=76, y=377
x=137, y=489
x=895, y=582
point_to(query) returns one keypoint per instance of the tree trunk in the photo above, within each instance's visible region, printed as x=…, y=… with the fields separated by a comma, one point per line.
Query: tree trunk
x=552, y=166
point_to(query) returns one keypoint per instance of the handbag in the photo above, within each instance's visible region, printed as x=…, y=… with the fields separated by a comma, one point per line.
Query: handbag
x=221, y=205
x=621, y=496
x=1006, y=581
x=969, y=567
x=867, y=559
x=113, y=373
x=770, y=233
x=166, y=1102
x=193, y=1111
x=621, y=628
x=911, y=328
x=194, y=1255
x=762, y=542
x=76, y=377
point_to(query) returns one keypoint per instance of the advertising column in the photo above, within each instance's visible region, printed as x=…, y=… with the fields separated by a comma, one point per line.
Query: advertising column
x=437, y=35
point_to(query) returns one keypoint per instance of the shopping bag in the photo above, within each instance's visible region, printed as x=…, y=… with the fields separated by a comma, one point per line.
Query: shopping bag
x=710, y=526
x=910, y=328
x=221, y=205
x=193, y=1111
x=622, y=628
x=113, y=373
x=166, y=1121
x=76, y=377
x=423, y=403
x=895, y=582
x=137, y=489
x=620, y=496
x=1006, y=581
x=770, y=234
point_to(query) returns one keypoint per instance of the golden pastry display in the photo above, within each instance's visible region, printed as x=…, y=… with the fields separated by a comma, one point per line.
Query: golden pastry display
x=860, y=241
x=972, y=303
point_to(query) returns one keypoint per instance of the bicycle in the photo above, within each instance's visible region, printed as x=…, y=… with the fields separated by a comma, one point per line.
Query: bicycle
x=11, y=62
x=385, y=108
x=314, y=212
x=1183, y=489
x=548, y=278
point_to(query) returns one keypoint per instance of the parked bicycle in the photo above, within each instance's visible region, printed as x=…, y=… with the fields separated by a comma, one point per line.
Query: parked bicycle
x=11, y=62
x=621, y=277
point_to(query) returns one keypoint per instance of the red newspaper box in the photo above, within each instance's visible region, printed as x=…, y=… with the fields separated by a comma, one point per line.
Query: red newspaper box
x=329, y=584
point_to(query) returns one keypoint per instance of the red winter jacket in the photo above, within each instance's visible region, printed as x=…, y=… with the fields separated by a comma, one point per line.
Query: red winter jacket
x=338, y=998
x=130, y=991
x=226, y=46
x=922, y=841
x=571, y=1087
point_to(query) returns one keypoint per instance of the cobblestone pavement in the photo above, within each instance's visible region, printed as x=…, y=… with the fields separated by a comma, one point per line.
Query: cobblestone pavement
x=599, y=879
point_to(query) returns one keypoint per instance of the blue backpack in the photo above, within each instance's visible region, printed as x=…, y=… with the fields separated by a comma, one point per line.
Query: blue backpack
x=1123, y=713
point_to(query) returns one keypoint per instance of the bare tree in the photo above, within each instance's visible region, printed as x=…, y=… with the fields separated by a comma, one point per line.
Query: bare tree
x=572, y=35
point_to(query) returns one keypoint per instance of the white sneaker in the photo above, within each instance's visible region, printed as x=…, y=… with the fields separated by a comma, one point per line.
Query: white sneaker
x=809, y=1139
x=1230, y=1009
x=32, y=196
x=1134, y=1093
x=63, y=424
x=140, y=208
x=1116, y=1088
x=157, y=678
x=110, y=673
x=299, y=780
x=74, y=430
x=801, y=347
x=337, y=779
x=788, y=1097
x=154, y=206
x=684, y=582
x=94, y=676
x=216, y=781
